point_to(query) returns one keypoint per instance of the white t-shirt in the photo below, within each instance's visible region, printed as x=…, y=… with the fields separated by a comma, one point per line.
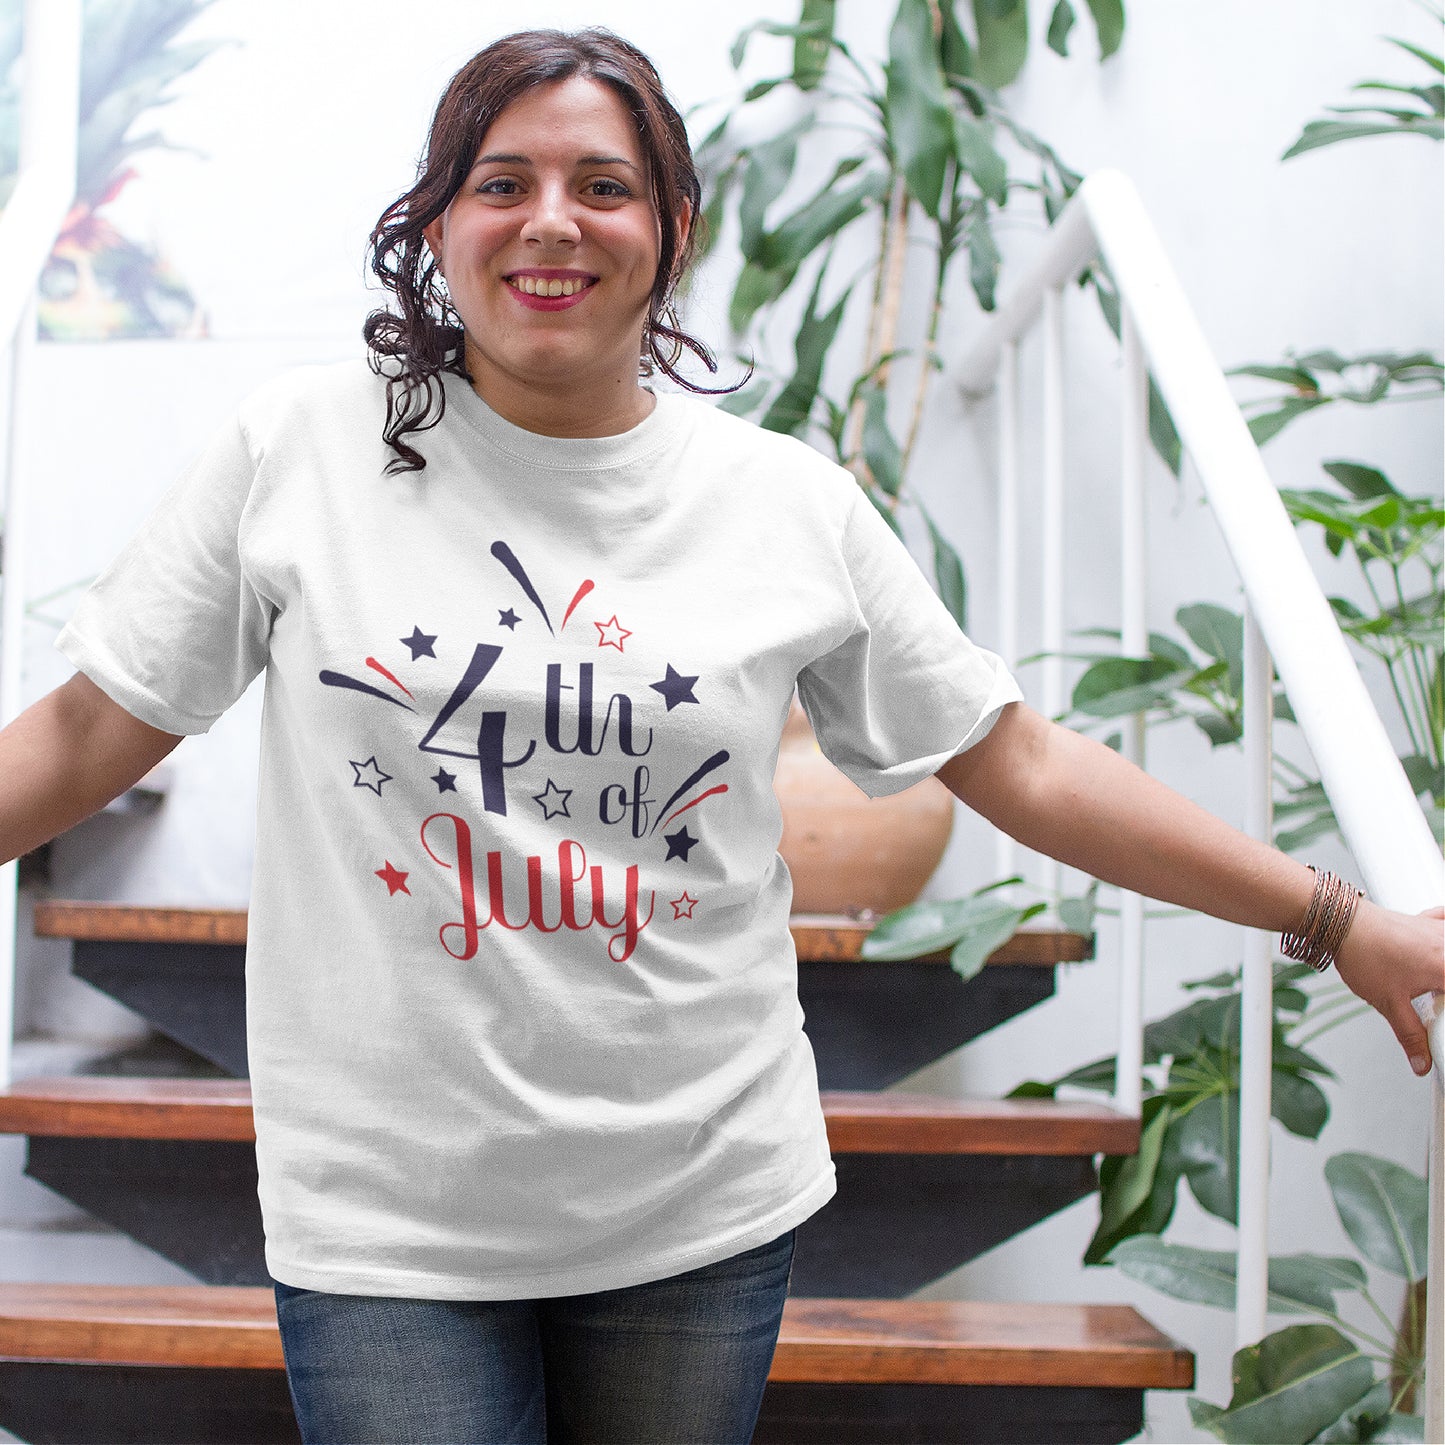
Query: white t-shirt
x=521, y=1000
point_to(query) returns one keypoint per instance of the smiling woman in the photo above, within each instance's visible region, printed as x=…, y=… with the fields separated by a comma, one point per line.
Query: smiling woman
x=552, y=159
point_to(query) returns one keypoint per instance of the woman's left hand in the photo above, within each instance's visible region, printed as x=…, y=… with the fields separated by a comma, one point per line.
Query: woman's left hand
x=1389, y=958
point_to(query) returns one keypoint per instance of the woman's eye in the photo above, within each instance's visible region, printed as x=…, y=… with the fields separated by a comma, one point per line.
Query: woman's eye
x=499, y=186
x=607, y=187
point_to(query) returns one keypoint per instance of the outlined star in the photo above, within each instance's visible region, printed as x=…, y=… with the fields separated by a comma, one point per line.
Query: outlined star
x=680, y=844
x=446, y=782
x=376, y=779
x=394, y=879
x=553, y=800
x=508, y=619
x=682, y=907
x=420, y=643
x=675, y=687
x=611, y=626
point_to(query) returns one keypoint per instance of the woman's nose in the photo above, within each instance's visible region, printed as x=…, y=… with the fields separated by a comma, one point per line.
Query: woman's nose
x=550, y=219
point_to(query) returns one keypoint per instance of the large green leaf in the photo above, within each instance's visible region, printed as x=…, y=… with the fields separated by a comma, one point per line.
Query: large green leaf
x=757, y=286
x=814, y=42
x=1361, y=481
x=992, y=927
x=1298, y=1283
x=983, y=255
x=1002, y=27
x=1060, y=23
x=795, y=33
x=1109, y=22
x=1218, y=632
x=1298, y=1103
x=1137, y=1173
x=948, y=574
x=1384, y=1209
x=1121, y=686
x=769, y=167
x=1370, y=1418
x=954, y=51
x=1204, y=1025
x=977, y=156
x=793, y=406
x=1330, y=132
x=1207, y=1143
x=880, y=448
x=817, y=220
x=917, y=113
x=1271, y=423
x=931, y=926
x=1202, y=1276
x=1288, y=1387
x=1148, y=1180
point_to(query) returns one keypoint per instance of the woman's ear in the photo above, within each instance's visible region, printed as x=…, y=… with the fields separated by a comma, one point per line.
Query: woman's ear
x=684, y=226
x=432, y=232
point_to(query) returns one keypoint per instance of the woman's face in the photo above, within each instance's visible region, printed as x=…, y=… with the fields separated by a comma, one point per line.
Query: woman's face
x=550, y=247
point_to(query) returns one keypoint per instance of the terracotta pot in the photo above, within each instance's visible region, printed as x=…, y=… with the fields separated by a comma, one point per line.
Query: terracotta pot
x=847, y=852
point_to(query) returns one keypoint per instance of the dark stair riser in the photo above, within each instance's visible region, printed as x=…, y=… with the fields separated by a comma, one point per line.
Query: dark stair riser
x=870, y=1024
x=898, y=1222
x=149, y=1405
x=193, y=992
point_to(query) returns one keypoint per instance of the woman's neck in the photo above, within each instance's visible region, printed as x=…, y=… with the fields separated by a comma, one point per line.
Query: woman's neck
x=574, y=407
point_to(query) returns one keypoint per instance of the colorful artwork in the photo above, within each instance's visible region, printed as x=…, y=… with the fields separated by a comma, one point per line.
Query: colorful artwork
x=657, y=815
x=100, y=284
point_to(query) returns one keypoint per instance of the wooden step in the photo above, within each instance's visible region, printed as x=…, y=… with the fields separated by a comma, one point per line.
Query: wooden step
x=893, y=1122
x=954, y=1342
x=818, y=937
x=84, y=1106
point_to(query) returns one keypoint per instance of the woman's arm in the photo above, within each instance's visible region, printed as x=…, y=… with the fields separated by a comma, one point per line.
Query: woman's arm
x=1065, y=795
x=64, y=758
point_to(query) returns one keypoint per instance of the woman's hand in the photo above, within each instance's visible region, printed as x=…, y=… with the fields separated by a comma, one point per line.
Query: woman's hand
x=1076, y=800
x=1389, y=958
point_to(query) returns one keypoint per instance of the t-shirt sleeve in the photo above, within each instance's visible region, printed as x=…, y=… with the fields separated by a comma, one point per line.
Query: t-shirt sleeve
x=172, y=630
x=906, y=689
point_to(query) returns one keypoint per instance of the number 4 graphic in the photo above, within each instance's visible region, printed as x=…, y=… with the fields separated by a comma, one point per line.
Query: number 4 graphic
x=491, y=733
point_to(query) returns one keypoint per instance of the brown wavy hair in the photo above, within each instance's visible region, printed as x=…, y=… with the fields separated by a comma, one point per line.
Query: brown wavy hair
x=413, y=345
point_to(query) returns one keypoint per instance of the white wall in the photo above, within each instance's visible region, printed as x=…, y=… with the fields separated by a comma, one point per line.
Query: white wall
x=313, y=123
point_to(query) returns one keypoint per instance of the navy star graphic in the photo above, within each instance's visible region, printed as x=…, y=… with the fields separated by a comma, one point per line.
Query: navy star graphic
x=508, y=619
x=394, y=879
x=420, y=643
x=368, y=775
x=679, y=844
x=553, y=800
x=446, y=782
x=675, y=687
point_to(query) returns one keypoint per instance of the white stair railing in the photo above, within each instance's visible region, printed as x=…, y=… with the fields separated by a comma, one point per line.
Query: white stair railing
x=1289, y=629
x=44, y=192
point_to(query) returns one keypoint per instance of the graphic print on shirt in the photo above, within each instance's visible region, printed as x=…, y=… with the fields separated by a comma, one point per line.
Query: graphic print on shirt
x=656, y=822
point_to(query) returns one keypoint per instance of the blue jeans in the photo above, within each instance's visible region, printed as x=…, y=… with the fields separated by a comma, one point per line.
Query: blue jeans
x=676, y=1360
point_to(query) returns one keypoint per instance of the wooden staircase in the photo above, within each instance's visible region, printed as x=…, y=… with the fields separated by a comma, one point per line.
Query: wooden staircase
x=925, y=1183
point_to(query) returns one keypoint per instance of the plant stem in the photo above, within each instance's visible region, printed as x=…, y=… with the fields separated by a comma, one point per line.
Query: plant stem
x=925, y=372
x=853, y=441
x=893, y=280
x=1422, y=688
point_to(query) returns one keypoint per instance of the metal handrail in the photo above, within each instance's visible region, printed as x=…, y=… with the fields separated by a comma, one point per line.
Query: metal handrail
x=1367, y=788
x=44, y=192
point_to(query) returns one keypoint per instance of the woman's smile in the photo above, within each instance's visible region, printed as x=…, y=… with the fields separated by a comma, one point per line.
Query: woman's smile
x=550, y=290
